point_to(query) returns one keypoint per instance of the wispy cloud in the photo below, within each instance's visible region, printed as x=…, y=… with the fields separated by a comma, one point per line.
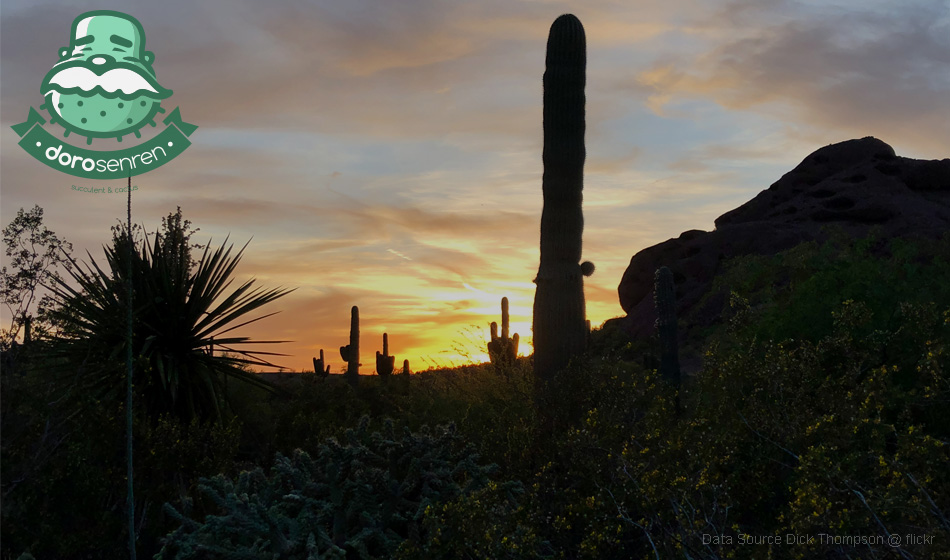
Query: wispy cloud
x=388, y=155
x=847, y=71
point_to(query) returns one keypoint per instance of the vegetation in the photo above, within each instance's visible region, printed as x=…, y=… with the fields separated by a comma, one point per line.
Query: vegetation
x=819, y=410
x=365, y=497
x=34, y=255
x=180, y=308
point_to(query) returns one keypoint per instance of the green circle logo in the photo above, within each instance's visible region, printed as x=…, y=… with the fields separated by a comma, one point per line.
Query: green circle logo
x=103, y=85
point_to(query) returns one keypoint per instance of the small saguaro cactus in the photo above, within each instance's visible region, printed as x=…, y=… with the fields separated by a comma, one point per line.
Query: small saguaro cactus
x=559, y=321
x=385, y=364
x=351, y=352
x=502, y=349
x=664, y=297
x=405, y=367
x=320, y=366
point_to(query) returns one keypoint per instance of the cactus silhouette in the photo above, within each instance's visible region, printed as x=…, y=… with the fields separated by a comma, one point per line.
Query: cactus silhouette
x=664, y=296
x=385, y=364
x=27, y=329
x=560, y=328
x=405, y=367
x=351, y=352
x=320, y=366
x=502, y=349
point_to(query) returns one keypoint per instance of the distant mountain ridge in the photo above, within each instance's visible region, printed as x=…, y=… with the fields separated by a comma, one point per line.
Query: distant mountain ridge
x=856, y=185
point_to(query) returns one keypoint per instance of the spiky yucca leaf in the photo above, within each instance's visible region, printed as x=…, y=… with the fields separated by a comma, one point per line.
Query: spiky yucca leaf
x=177, y=312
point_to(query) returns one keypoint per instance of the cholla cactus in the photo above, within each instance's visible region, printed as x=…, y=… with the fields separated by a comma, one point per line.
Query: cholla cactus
x=351, y=352
x=359, y=499
x=320, y=366
x=560, y=329
x=385, y=364
x=503, y=350
x=665, y=299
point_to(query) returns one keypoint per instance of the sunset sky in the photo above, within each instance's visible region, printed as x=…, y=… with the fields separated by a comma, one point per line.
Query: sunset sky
x=387, y=154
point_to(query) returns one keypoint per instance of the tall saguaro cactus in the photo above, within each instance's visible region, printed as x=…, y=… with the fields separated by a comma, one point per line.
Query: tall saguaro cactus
x=664, y=296
x=560, y=327
x=351, y=352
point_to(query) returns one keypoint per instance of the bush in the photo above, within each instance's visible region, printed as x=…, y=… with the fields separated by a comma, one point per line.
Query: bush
x=363, y=497
x=63, y=461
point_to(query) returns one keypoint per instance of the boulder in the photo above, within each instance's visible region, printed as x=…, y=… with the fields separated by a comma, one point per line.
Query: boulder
x=854, y=185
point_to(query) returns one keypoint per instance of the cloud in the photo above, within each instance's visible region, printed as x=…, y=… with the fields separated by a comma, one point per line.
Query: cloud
x=347, y=138
x=854, y=72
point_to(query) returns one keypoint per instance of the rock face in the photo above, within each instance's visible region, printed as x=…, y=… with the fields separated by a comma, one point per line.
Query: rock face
x=855, y=185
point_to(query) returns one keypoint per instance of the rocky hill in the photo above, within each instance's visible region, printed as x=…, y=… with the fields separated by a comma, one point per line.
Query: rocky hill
x=854, y=185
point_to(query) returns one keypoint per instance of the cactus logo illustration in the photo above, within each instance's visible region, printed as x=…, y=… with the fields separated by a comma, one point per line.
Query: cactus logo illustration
x=104, y=86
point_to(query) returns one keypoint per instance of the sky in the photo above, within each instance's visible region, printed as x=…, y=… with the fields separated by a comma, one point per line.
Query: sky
x=388, y=154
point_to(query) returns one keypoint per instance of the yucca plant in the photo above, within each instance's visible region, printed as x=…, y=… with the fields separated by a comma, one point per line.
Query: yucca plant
x=179, y=305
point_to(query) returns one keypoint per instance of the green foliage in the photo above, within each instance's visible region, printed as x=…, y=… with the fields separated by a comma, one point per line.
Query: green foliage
x=63, y=470
x=843, y=433
x=177, y=314
x=783, y=437
x=492, y=408
x=362, y=498
x=503, y=350
x=794, y=291
x=833, y=421
x=487, y=523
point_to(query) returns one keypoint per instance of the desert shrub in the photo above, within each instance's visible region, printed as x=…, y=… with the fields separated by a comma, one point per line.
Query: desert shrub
x=831, y=423
x=362, y=497
x=800, y=438
x=491, y=407
x=64, y=465
x=487, y=523
x=315, y=409
x=793, y=292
